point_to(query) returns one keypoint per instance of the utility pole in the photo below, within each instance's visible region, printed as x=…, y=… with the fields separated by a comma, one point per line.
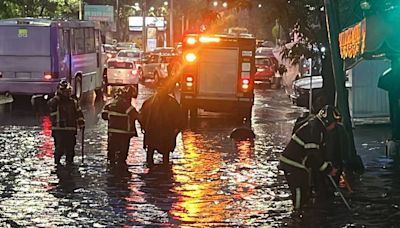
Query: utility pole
x=117, y=22
x=171, y=24
x=144, y=30
x=332, y=23
x=80, y=10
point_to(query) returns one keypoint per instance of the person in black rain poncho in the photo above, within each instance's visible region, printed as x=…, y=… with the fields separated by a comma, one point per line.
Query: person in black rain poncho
x=161, y=120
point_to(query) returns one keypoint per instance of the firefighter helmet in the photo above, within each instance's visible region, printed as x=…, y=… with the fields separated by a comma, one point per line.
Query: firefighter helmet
x=64, y=88
x=329, y=114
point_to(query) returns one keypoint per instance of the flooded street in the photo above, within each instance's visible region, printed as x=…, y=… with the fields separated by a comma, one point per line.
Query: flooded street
x=211, y=181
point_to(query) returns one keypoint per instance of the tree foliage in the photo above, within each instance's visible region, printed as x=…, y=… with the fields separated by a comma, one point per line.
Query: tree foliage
x=39, y=8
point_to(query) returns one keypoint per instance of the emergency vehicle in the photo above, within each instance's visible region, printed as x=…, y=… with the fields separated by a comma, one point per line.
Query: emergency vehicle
x=217, y=74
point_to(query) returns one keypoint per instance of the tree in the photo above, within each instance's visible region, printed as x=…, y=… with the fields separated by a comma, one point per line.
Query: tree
x=39, y=8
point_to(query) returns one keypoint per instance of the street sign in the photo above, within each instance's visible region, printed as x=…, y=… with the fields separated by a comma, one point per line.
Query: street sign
x=99, y=13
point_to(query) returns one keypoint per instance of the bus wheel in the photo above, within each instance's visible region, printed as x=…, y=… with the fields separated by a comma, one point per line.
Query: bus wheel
x=78, y=87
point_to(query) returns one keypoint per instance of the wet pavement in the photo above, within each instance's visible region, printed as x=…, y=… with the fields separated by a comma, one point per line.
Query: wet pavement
x=211, y=181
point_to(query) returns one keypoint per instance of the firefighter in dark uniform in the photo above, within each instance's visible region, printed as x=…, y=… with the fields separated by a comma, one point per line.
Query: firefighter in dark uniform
x=305, y=154
x=161, y=120
x=66, y=116
x=121, y=116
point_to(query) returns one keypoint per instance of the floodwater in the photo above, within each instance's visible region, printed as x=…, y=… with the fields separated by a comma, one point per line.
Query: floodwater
x=211, y=181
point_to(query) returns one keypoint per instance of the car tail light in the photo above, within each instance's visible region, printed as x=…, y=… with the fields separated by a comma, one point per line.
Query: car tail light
x=109, y=55
x=134, y=72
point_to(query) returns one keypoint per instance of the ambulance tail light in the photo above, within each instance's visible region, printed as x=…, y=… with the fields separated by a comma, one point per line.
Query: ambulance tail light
x=190, y=57
x=189, y=80
x=209, y=39
x=191, y=40
x=134, y=72
x=245, y=84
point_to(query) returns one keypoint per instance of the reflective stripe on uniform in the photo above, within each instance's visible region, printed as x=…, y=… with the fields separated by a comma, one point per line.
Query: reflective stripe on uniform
x=53, y=113
x=298, y=198
x=64, y=128
x=324, y=166
x=292, y=163
x=305, y=145
x=112, y=130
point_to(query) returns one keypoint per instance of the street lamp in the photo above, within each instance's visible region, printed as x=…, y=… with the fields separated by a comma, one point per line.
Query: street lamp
x=259, y=5
x=165, y=3
x=225, y=4
x=215, y=3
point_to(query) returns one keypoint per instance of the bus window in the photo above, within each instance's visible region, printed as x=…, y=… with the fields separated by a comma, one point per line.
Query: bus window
x=79, y=41
x=89, y=40
x=61, y=43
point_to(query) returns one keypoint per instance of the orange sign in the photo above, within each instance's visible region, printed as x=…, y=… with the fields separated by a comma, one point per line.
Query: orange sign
x=352, y=41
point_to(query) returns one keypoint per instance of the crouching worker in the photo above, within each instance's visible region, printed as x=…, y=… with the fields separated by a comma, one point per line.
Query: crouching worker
x=66, y=116
x=304, y=153
x=121, y=116
x=161, y=119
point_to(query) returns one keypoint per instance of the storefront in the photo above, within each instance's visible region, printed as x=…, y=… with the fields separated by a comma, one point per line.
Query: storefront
x=374, y=45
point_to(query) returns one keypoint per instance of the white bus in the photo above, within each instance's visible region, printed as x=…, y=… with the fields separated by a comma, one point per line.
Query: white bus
x=35, y=54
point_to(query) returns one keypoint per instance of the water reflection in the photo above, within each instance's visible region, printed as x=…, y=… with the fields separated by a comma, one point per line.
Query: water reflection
x=157, y=185
x=46, y=148
x=201, y=197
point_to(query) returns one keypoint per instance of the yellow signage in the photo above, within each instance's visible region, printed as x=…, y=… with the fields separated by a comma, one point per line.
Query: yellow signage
x=352, y=41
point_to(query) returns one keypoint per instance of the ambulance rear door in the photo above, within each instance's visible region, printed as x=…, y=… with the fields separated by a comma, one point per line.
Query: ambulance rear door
x=218, y=72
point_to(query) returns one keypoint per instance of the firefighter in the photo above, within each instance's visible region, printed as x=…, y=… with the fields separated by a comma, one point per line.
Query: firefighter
x=66, y=117
x=305, y=152
x=161, y=120
x=121, y=116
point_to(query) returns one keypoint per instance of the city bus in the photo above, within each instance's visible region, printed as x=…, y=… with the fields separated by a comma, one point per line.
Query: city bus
x=35, y=54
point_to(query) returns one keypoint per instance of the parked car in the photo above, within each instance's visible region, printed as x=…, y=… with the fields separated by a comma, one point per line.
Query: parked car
x=110, y=50
x=266, y=68
x=264, y=51
x=121, y=73
x=155, y=66
x=125, y=46
x=135, y=55
x=301, y=90
x=164, y=51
